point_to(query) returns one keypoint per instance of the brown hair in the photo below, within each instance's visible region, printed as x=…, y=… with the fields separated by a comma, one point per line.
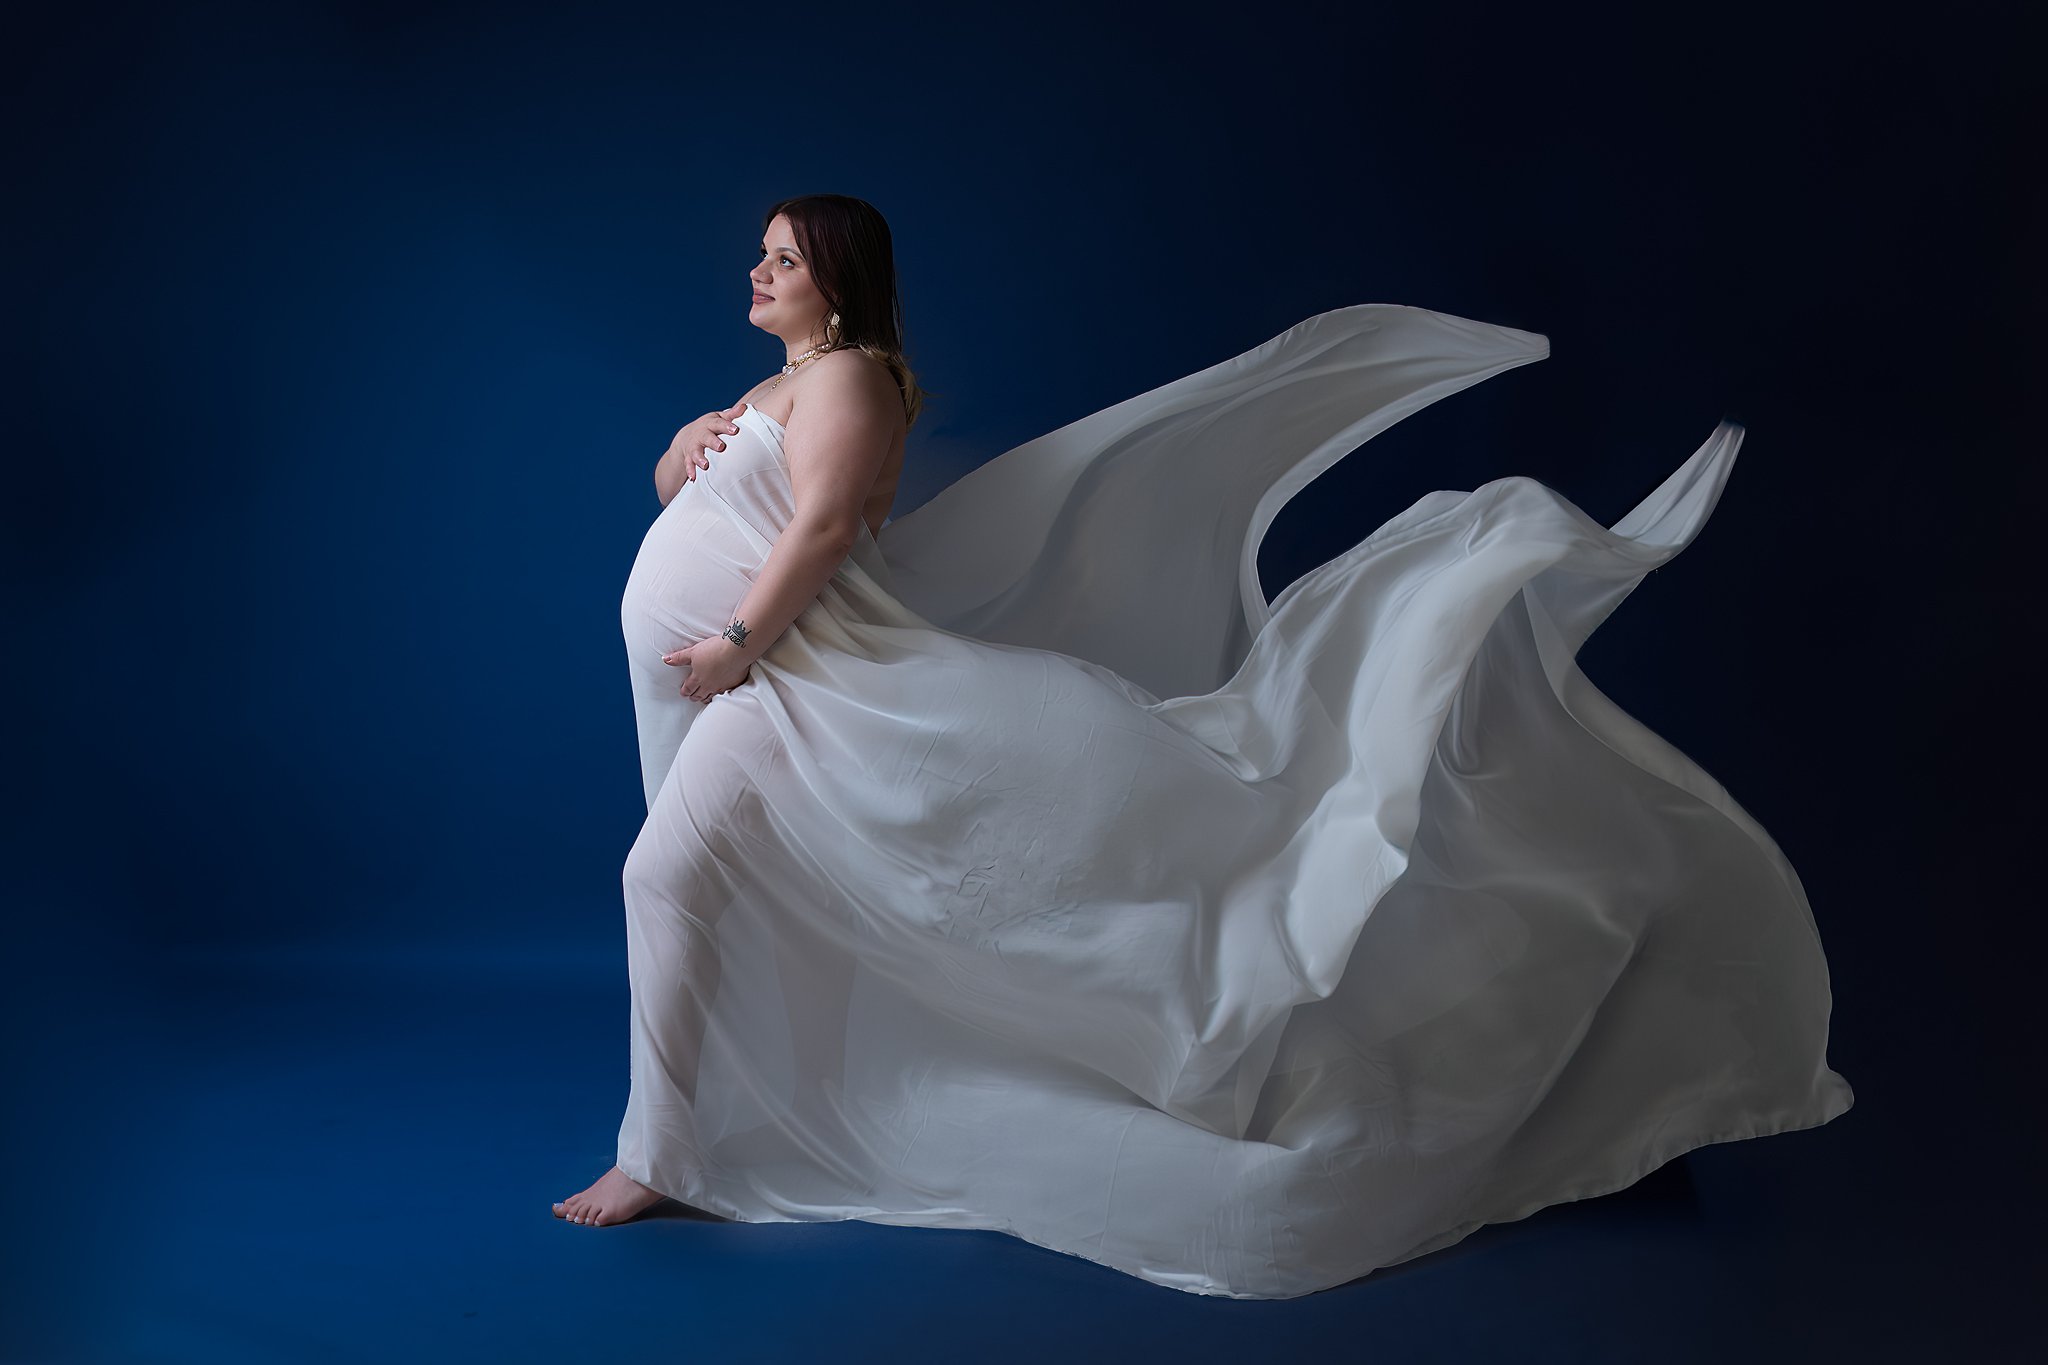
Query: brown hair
x=845, y=242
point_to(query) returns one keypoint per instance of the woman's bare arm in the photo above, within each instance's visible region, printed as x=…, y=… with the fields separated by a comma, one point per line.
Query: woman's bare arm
x=836, y=442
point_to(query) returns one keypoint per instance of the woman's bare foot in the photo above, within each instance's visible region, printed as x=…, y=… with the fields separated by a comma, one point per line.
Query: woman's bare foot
x=613, y=1199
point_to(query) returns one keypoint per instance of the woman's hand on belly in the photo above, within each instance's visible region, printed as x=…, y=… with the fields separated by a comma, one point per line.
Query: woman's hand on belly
x=716, y=665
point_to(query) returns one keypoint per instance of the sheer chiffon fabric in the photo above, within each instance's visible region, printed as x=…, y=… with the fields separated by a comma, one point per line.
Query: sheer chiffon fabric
x=1044, y=878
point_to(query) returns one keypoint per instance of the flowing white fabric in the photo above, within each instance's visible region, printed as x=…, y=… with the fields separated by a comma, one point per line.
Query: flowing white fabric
x=1043, y=878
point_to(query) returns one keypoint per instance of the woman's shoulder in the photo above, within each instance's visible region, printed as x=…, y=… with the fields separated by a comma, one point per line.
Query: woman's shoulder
x=852, y=360
x=851, y=375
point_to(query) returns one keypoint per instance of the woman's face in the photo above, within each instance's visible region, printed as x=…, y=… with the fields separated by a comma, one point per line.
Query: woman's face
x=786, y=298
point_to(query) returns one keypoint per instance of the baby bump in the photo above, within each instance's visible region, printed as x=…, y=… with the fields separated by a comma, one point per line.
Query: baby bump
x=693, y=568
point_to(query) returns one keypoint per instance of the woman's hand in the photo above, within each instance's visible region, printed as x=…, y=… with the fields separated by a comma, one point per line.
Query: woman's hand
x=706, y=433
x=716, y=665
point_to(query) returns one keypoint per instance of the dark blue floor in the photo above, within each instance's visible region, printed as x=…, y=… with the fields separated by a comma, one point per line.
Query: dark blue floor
x=333, y=1156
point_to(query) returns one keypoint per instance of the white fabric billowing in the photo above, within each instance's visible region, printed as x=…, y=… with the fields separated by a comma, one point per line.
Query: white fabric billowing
x=1041, y=877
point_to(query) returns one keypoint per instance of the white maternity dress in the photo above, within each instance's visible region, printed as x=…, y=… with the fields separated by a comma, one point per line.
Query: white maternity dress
x=1043, y=877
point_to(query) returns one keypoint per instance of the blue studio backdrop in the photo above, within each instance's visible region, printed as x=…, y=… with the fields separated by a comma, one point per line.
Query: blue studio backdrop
x=347, y=337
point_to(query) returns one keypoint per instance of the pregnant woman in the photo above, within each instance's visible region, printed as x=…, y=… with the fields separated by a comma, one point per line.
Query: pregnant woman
x=1016, y=864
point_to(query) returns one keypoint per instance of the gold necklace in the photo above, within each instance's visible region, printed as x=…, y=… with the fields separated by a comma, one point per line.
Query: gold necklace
x=790, y=368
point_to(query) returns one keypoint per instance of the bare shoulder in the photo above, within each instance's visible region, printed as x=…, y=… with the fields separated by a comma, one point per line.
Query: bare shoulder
x=850, y=383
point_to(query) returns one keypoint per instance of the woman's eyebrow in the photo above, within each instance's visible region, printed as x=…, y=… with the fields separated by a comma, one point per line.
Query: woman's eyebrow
x=790, y=249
